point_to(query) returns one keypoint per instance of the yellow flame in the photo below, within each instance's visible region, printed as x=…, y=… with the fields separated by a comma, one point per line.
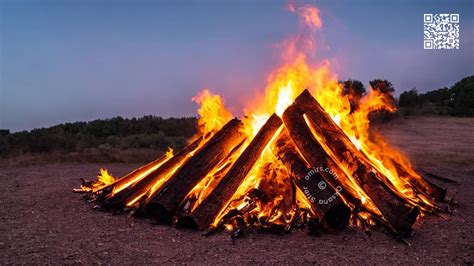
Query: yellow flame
x=169, y=152
x=105, y=178
x=212, y=112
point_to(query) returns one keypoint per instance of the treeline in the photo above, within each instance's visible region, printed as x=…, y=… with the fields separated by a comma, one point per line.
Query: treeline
x=142, y=139
x=458, y=100
x=104, y=135
x=455, y=101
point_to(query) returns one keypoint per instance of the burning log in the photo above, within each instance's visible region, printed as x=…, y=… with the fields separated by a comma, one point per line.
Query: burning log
x=396, y=210
x=141, y=187
x=302, y=137
x=219, y=198
x=162, y=205
x=206, y=185
x=220, y=182
x=324, y=199
x=134, y=176
x=422, y=185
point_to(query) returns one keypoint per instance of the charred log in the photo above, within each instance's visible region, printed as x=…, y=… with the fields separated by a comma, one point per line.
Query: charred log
x=218, y=199
x=163, y=204
x=140, y=188
x=106, y=192
x=422, y=185
x=325, y=200
x=443, y=179
x=316, y=156
x=395, y=209
x=192, y=200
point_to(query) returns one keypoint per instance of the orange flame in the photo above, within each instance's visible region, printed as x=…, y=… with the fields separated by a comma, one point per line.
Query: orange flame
x=309, y=15
x=212, y=112
x=141, y=174
x=284, y=84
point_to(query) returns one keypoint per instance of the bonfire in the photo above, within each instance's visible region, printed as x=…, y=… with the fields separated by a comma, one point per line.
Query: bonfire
x=300, y=155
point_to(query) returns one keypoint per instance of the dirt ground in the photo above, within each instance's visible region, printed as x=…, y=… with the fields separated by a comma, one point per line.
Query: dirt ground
x=42, y=221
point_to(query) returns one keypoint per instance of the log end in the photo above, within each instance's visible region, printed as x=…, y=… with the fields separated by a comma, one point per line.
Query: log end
x=410, y=220
x=337, y=217
x=158, y=213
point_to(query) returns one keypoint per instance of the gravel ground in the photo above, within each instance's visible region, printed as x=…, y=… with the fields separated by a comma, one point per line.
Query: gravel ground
x=42, y=221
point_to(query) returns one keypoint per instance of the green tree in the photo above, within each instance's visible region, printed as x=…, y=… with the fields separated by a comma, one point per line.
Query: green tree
x=462, y=97
x=385, y=87
x=4, y=132
x=4, y=145
x=382, y=85
x=355, y=90
x=408, y=98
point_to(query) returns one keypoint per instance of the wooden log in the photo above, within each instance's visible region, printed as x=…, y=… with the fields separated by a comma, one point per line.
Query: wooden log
x=163, y=204
x=316, y=156
x=204, y=214
x=422, y=185
x=194, y=198
x=140, y=188
x=395, y=209
x=106, y=192
x=427, y=175
x=325, y=200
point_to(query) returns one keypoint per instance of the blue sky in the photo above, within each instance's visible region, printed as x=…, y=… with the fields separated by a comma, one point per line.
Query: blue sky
x=69, y=60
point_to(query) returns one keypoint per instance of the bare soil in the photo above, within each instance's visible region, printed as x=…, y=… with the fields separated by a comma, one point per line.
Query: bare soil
x=42, y=221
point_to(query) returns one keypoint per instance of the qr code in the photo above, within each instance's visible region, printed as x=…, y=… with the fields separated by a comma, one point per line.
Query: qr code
x=441, y=31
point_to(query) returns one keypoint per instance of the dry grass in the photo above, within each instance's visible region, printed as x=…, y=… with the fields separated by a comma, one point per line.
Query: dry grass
x=433, y=141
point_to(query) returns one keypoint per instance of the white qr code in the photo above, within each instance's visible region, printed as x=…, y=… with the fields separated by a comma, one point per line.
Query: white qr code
x=441, y=31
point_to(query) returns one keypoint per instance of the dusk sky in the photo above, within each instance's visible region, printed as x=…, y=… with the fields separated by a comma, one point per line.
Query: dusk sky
x=70, y=60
